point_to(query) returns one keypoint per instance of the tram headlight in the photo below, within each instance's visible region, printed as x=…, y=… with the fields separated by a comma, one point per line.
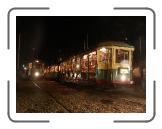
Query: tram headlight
x=36, y=74
x=123, y=77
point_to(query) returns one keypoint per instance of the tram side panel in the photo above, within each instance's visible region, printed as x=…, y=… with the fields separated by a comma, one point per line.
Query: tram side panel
x=103, y=71
x=114, y=66
x=105, y=66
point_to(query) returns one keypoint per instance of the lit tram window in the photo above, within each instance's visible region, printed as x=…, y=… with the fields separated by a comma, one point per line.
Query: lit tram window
x=85, y=57
x=103, y=50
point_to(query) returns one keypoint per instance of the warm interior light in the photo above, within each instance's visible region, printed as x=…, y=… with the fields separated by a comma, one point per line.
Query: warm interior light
x=77, y=66
x=103, y=49
x=85, y=57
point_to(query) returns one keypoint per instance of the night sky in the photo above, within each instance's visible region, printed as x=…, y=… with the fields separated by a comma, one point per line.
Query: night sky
x=51, y=37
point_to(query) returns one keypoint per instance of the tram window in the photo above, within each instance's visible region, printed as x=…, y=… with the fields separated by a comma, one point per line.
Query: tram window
x=84, y=63
x=121, y=55
x=77, y=65
x=103, y=55
x=37, y=66
x=56, y=68
x=92, y=61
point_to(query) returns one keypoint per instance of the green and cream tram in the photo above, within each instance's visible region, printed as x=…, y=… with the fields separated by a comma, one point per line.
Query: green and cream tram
x=114, y=63
x=110, y=63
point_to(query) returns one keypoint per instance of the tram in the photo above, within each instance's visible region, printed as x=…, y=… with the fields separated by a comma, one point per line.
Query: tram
x=51, y=72
x=35, y=70
x=109, y=64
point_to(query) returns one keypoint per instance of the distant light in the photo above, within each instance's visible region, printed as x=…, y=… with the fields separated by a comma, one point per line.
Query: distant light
x=85, y=57
x=75, y=75
x=73, y=60
x=30, y=65
x=79, y=75
x=71, y=75
x=77, y=66
x=131, y=82
x=103, y=49
x=60, y=59
x=92, y=53
x=25, y=68
x=37, y=61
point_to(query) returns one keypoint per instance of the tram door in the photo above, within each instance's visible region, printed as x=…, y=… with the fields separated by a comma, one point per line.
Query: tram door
x=92, y=65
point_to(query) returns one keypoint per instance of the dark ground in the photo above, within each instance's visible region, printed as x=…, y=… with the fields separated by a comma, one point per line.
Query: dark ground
x=52, y=97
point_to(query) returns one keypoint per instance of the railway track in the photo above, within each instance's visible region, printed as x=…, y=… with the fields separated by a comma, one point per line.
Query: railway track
x=132, y=101
x=58, y=102
x=68, y=104
x=54, y=98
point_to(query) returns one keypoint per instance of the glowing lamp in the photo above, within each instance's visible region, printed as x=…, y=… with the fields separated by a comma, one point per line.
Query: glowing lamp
x=103, y=49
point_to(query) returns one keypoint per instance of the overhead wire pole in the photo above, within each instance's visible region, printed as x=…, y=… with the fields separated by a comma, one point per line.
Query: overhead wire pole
x=140, y=45
x=87, y=40
x=88, y=59
x=34, y=57
x=84, y=45
x=18, y=58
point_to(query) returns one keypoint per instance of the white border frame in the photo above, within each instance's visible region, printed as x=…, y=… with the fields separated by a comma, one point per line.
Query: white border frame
x=85, y=116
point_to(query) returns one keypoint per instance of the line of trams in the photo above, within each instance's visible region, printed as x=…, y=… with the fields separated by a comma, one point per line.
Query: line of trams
x=109, y=64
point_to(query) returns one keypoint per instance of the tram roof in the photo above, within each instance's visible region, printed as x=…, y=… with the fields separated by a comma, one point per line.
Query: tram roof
x=115, y=43
x=101, y=44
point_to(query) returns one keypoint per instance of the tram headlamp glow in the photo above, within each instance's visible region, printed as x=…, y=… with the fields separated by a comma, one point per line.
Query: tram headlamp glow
x=123, y=78
x=36, y=74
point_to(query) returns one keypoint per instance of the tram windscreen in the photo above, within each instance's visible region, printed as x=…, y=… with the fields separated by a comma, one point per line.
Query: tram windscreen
x=37, y=66
x=122, y=55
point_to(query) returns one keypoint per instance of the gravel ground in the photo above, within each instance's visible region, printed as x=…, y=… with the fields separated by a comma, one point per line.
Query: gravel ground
x=34, y=100
x=79, y=103
x=54, y=97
